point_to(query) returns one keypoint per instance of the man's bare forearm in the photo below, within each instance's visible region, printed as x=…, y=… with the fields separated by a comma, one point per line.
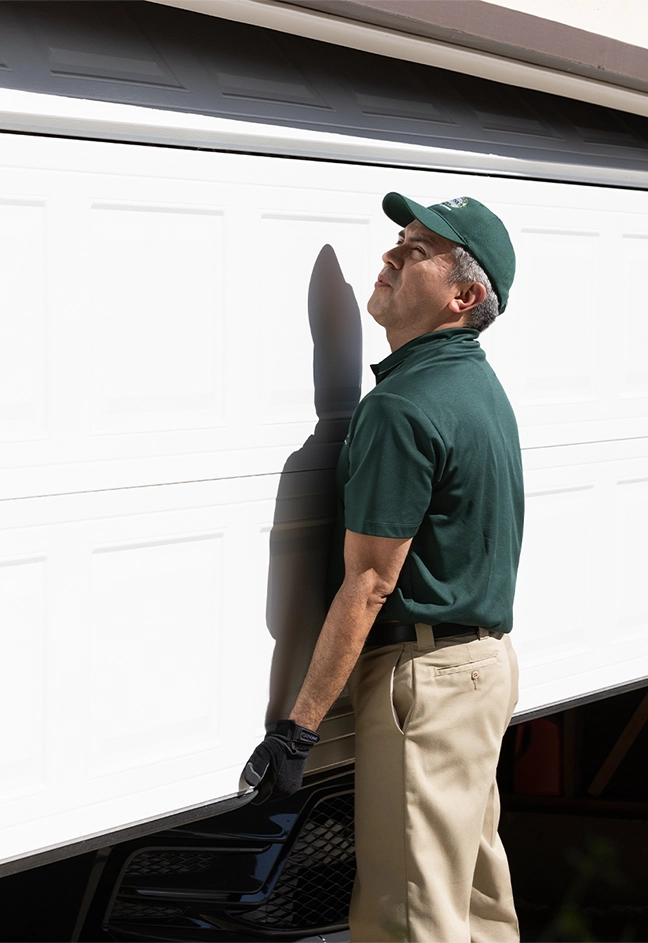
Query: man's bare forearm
x=352, y=613
x=372, y=565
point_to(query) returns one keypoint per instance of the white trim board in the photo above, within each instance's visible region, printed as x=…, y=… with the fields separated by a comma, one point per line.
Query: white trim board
x=39, y=113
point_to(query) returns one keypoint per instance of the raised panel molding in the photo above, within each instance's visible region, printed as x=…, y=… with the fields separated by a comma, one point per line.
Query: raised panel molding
x=633, y=341
x=24, y=366
x=629, y=563
x=559, y=364
x=104, y=44
x=554, y=609
x=312, y=324
x=155, y=298
x=23, y=650
x=155, y=625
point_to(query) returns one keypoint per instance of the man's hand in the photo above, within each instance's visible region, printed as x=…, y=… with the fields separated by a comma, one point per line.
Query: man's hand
x=372, y=566
x=276, y=767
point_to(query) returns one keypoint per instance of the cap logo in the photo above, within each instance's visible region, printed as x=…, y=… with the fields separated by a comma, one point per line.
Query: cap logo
x=458, y=201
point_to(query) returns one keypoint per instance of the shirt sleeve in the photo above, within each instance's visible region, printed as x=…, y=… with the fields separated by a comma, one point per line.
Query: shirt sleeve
x=393, y=451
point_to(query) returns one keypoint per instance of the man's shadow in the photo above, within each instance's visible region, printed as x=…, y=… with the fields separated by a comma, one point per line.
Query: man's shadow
x=300, y=539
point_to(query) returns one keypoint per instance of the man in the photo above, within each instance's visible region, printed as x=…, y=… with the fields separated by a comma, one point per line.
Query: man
x=431, y=483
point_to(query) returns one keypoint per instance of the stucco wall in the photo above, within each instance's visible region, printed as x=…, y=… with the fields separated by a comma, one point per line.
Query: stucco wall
x=624, y=20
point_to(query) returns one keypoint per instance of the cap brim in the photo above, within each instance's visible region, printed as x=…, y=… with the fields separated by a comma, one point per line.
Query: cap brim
x=404, y=211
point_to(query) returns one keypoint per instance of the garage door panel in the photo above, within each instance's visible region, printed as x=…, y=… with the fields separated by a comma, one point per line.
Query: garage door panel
x=190, y=305
x=127, y=635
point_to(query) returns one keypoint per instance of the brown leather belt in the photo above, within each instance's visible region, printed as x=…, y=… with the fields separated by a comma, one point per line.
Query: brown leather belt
x=396, y=633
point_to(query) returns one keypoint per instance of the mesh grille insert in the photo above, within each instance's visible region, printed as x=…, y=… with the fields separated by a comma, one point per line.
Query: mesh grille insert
x=125, y=910
x=169, y=861
x=314, y=888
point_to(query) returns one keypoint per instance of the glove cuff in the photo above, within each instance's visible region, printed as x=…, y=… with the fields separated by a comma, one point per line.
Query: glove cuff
x=298, y=739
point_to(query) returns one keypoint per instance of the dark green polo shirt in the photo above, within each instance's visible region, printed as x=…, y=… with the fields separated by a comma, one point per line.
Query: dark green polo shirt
x=433, y=454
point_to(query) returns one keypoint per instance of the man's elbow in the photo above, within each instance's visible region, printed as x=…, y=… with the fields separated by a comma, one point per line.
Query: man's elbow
x=373, y=565
x=377, y=588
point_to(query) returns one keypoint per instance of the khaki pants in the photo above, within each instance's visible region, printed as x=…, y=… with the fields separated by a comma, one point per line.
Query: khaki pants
x=429, y=725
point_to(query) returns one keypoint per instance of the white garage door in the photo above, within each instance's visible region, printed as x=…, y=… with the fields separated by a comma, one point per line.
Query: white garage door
x=166, y=483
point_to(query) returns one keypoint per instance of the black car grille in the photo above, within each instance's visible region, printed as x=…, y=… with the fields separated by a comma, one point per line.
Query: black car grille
x=314, y=888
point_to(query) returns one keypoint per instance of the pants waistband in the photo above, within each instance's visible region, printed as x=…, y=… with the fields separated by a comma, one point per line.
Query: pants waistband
x=396, y=633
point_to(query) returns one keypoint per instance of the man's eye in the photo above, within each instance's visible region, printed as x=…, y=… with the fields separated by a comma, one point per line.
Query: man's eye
x=419, y=249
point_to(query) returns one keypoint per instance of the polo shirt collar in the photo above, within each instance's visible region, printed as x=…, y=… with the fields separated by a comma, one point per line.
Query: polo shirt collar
x=427, y=341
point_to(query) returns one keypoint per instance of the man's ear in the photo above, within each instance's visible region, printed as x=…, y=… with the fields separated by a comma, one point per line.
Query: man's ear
x=468, y=295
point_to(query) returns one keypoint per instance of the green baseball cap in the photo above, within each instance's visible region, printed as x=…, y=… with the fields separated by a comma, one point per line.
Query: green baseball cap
x=469, y=223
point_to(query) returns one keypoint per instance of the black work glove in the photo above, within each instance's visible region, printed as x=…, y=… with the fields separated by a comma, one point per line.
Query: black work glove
x=276, y=767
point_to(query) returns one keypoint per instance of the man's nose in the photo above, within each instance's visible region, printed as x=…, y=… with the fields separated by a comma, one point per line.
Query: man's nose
x=393, y=257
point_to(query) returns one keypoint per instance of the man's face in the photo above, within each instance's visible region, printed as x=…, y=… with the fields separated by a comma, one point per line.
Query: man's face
x=412, y=291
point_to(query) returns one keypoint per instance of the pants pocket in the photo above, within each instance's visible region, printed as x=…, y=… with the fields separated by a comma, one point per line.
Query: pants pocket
x=469, y=666
x=471, y=673
x=402, y=690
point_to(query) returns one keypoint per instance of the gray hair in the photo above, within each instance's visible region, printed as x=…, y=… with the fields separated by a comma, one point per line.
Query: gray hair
x=466, y=268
